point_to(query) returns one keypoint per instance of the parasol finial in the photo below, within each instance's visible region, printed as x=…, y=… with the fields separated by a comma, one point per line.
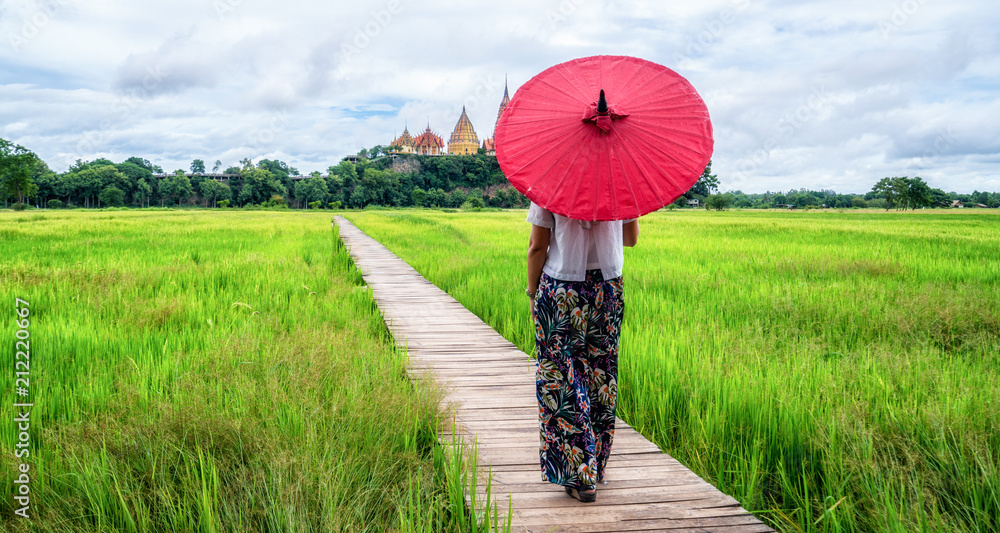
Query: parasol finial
x=602, y=104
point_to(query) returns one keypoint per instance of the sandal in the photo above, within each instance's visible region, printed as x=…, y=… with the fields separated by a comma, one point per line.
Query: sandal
x=584, y=493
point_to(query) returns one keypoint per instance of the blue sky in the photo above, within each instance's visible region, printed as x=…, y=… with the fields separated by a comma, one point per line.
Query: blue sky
x=822, y=94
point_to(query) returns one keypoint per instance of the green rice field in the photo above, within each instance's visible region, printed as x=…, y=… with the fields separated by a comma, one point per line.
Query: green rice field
x=210, y=371
x=833, y=371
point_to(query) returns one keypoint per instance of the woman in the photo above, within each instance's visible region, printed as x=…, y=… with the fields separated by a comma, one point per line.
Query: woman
x=576, y=291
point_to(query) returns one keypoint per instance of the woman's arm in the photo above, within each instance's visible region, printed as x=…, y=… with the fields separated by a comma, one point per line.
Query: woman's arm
x=538, y=250
x=630, y=233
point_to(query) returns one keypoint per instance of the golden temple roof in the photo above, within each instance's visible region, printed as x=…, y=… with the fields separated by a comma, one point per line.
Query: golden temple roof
x=464, y=133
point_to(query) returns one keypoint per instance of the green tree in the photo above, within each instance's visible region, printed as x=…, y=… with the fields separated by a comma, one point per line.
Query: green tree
x=311, y=190
x=359, y=197
x=112, y=196
x=246, y=195
x=139, y=162
x=176, y=187
x=890, y=190
x=457, y=197
x=90, y=179
x=474, y=202
x=259, y=185
x=17, y=167
x=435, y=198
x=281, y=171
x=380, y=186
x=225, y=192
x=197, y=166
x=142, y=193
x=134, y=173
x=348, y=173
x=419, y=197
x=804, y=199
x=209, y=189
x=903, y=192
x=719, y=202
x=707, y=184
x=216, y=166
x=48, y=182
x=918, y=193
x=939, y=198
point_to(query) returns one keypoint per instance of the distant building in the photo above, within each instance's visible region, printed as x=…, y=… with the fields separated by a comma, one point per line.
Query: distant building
x=463, y=139
x=428, y=143
x=404, y=143
x=957, y=203
x=693, y=202
x=489, y=147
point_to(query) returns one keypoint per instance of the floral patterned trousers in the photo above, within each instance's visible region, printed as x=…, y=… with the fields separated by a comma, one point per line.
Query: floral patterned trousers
x=577, y=327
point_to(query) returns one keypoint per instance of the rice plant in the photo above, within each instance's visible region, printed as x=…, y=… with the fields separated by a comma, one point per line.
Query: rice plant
x=833, y=371
x=215, y=371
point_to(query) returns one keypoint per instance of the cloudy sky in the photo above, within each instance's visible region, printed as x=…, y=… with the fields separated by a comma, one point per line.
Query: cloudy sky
x=827, y=94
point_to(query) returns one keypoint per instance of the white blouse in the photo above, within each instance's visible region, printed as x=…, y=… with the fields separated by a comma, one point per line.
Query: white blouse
x=577, y=246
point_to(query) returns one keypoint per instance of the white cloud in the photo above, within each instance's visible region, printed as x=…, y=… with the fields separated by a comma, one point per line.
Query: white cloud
x=826, y=94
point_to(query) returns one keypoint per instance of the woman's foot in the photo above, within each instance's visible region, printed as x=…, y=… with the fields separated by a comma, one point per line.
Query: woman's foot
x=584, y=493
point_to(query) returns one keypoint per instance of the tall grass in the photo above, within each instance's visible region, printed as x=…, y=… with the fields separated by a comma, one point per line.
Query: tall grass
x=215, y=371
x=833, y=371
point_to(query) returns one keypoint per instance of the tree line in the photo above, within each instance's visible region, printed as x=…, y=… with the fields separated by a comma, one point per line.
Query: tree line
x=898, y=193
x=404, y=180
x=376, y=177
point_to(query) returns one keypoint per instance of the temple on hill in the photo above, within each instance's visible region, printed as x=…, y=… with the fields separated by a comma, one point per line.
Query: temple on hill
x=428, y=143
x=463, y=140
x=404, y=143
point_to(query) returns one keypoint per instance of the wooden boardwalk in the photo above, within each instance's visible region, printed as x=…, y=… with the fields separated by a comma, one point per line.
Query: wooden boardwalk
x=491, y=385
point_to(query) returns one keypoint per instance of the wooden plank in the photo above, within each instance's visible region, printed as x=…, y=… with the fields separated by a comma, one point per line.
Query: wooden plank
x=488, y=388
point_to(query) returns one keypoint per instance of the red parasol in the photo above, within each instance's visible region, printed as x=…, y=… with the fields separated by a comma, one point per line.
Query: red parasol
x=604, y=138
